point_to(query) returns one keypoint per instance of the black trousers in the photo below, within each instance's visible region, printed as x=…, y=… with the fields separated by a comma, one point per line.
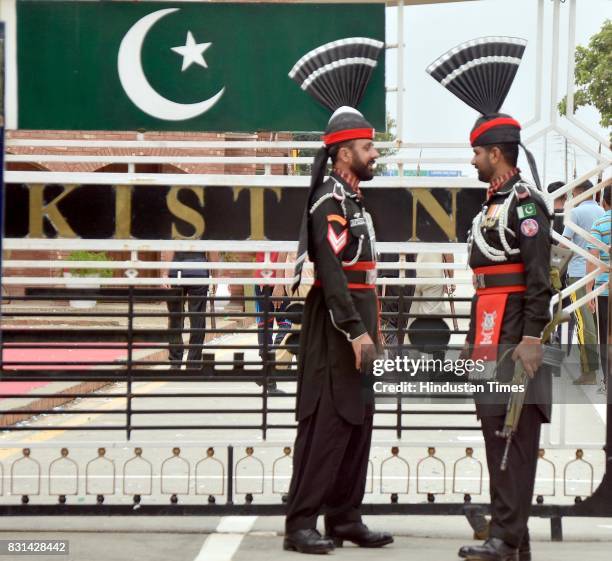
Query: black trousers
x=266, y=337
x=195, y=298
x=330, y=466
x=512, y=490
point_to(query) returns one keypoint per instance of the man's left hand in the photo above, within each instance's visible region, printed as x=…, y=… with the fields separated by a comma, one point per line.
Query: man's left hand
x=529, y=351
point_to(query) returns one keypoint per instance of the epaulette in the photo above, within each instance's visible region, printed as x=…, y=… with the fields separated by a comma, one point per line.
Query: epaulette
x=522, y=191
x=337, y=192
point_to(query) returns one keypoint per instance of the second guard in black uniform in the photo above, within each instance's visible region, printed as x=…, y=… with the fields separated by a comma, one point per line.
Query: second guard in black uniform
x=340, y=321
x=509, y=253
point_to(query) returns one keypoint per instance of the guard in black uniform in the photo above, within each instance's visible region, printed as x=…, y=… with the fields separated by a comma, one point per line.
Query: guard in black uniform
x=340, y=322
x=509, y=253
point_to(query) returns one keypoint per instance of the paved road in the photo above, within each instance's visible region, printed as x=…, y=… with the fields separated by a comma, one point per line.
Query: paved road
x=242, y=538
x=260, y=539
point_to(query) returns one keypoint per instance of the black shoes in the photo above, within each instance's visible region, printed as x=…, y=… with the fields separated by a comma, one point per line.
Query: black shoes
x=359, y=534
x=493, y=549
x=307, y=541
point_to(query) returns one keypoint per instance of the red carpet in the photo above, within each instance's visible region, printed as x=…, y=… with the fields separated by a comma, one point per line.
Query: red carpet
x=36, y=358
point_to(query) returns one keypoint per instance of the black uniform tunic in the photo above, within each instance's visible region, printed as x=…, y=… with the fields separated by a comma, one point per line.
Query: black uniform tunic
x=528, y=225
x=334, y=405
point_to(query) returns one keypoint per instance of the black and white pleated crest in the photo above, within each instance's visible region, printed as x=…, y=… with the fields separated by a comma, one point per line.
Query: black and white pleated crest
x=337, y=73
x=480, y=72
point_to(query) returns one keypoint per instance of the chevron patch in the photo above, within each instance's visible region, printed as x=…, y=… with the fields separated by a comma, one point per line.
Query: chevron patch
x=337, y=241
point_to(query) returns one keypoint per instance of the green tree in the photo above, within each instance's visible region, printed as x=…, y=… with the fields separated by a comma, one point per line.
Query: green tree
x=593, y=76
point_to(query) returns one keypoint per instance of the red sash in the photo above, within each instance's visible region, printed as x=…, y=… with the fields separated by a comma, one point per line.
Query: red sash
x=490, y=307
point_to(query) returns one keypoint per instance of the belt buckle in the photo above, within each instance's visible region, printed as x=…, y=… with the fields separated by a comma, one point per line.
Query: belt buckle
x=371, y=276
x=480, y=281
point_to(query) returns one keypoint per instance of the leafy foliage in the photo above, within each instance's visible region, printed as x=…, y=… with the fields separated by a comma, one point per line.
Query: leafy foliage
x=593, y=76
x=82, y=255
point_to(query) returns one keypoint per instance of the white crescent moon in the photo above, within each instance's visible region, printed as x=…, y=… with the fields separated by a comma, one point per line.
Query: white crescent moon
x=137, y=86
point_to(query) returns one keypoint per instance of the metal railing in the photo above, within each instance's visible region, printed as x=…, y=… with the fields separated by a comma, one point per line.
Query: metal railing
x=134, y=341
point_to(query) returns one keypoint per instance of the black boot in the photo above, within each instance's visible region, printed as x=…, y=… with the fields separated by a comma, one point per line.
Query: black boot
x=307, y=541
x=359, y=534
x=524, y=551
x=494, y=549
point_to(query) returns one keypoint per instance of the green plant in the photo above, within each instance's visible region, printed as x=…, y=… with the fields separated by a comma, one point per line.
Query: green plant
x=84, y=255
x=593, y=76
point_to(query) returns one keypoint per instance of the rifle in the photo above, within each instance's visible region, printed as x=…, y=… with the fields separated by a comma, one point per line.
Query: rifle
x=552, y=356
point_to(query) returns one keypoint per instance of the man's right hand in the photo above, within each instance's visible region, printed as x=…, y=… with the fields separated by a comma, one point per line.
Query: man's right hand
x=166, y=283
x=363, y=344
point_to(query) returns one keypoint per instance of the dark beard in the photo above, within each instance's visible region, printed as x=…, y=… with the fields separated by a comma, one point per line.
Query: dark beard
x=362, y=171
x=482, y=176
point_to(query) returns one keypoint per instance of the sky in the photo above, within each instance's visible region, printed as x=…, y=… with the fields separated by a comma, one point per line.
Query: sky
x=433, y=114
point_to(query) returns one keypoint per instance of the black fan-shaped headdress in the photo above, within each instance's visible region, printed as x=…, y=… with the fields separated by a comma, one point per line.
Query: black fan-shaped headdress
x=336, y=75
x=480, y=72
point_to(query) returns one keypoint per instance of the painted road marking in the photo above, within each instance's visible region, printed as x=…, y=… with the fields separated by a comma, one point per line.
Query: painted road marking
x=225, y=542
x=220, y=547
x=236, y=524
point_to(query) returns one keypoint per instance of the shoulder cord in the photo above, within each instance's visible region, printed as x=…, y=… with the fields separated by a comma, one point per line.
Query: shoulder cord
x=320, y=201
x=502, y=227
x=488, y=251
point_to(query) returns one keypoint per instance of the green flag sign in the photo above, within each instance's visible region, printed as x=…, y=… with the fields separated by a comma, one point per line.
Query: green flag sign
x=180, y=66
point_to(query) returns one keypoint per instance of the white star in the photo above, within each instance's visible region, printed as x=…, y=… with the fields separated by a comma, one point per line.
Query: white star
x=192, y=52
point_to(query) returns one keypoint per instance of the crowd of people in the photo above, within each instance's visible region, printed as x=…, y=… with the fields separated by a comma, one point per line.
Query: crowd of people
x=592, y=215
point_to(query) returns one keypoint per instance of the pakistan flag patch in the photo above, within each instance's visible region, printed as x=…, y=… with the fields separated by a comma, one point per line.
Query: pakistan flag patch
x=525, y=211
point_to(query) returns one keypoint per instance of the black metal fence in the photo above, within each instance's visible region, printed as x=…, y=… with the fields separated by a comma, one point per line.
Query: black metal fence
x=132, y=340
x=140, y=339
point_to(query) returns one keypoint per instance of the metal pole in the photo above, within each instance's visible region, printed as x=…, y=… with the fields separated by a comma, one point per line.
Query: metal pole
x=266, y=360
x=554, y=78
x=539, y=59
x=230, y=475
x=130, y=343
x=400, y=73
x=571, y=59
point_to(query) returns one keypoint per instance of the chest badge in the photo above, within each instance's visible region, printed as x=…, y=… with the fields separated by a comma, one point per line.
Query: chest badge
x=492, y=216
x=529, y=227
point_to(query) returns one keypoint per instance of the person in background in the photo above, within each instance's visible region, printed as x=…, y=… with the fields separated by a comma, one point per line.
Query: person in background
x=601, y=232
x=584, y=215
x=270, y=299
x=437, y=307
x=191, y=296
x=559, y=207
x=395, y=310
x=558, y=226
